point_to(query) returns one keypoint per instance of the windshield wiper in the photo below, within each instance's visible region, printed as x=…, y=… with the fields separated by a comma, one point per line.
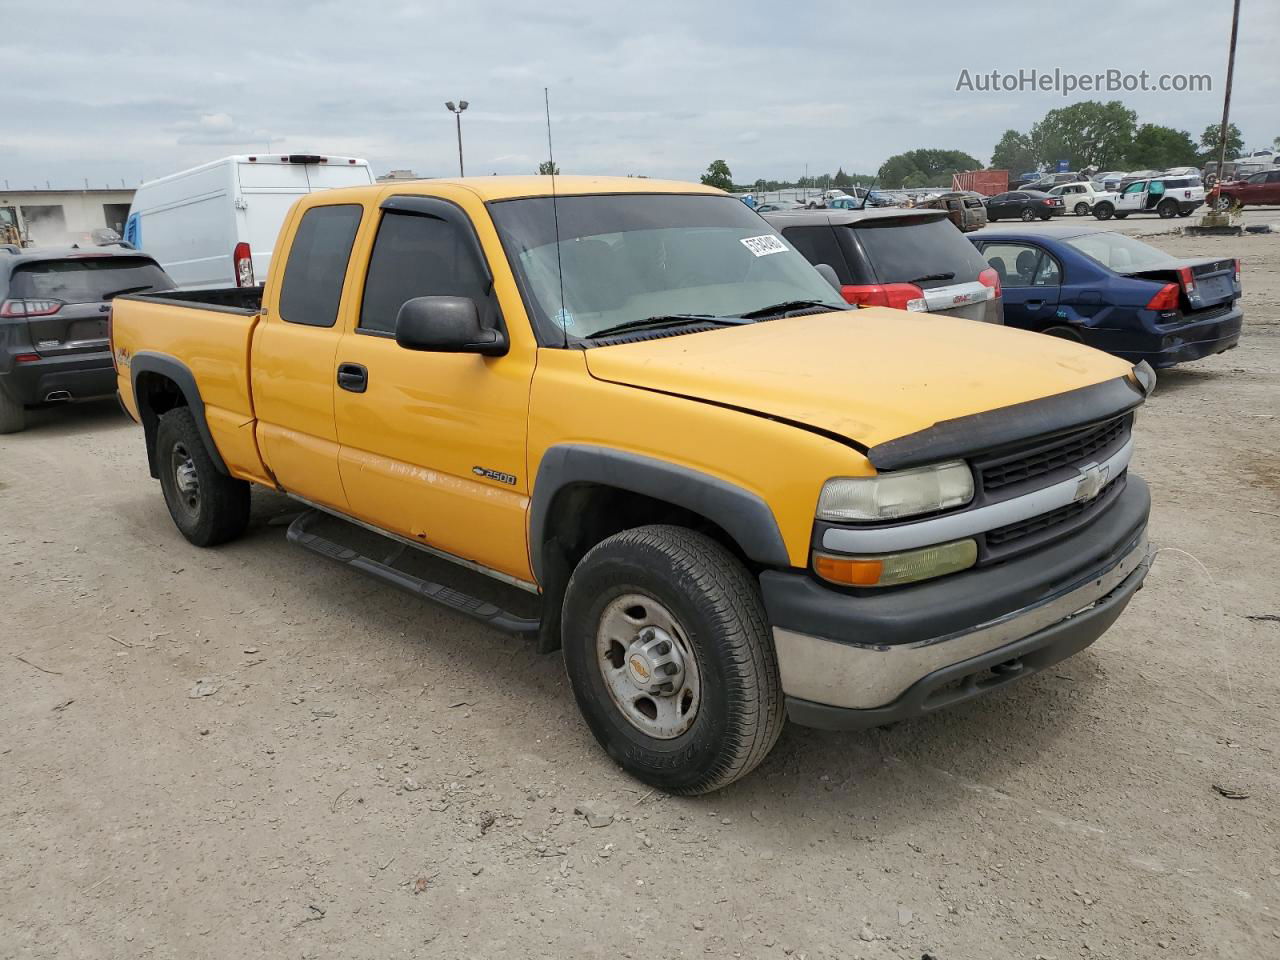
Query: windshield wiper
x=666, y=320
x=123, y=291
x=933, y=276
x=788, y=305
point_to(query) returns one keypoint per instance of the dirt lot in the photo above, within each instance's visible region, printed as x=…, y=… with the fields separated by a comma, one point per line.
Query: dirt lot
x=371, y=777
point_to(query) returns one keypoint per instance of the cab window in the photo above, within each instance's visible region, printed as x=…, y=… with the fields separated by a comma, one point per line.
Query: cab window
x=416, y=255
x=1138, y=187
x=317, y=264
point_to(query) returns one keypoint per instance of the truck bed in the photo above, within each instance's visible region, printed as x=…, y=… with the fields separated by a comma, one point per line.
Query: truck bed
x=239, y=299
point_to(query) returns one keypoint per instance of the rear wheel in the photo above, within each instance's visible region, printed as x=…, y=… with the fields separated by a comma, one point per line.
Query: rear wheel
x=1027, y=215
x=1223, y=203
x=13, y=416
x=671, y=658
x=1167, y=209
x=207, y=506
x=1081, y=209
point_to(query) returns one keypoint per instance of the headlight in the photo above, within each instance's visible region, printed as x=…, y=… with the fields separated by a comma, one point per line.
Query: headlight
x=903, y=493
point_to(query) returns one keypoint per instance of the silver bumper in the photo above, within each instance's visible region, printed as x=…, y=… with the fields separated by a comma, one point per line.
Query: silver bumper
x=866, y=676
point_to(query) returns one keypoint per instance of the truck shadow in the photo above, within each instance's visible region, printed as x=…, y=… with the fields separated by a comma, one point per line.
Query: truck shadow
x=1177, y=379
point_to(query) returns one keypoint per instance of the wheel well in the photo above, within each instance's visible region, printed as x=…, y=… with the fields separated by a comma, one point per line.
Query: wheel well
x=582, y=515
x=155, y=394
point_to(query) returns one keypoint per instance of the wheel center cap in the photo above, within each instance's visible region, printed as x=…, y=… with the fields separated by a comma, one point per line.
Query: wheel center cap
x=654, y=662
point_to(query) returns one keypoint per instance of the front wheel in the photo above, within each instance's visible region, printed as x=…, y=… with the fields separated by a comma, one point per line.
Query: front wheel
x=208, y=507
x=1027, y=215
x=671, y=658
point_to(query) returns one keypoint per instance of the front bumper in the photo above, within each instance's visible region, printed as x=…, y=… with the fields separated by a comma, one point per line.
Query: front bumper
x=853, y=661
x=81, y=375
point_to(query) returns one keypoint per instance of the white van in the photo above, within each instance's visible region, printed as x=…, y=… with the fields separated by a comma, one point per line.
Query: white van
x=214, y=225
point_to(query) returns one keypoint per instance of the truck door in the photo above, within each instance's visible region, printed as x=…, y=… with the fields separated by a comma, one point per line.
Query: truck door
x=293, y=353
x=433, y=444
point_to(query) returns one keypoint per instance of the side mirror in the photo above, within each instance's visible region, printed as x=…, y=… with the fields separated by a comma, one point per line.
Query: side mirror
x=446, y=325
x=828, y=274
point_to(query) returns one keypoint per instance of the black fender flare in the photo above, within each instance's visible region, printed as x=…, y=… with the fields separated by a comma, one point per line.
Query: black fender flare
x=742, y=514
x=149, y=361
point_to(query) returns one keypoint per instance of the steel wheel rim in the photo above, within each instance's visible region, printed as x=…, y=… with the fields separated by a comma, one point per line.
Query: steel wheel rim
x=186, y=482
x=649, y=666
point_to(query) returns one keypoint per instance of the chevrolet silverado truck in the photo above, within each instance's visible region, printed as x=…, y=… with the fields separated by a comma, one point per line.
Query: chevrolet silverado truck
x=730, y=496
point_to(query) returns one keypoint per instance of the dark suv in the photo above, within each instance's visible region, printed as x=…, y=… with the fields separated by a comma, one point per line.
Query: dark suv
x=894, y=257
x=54, y=305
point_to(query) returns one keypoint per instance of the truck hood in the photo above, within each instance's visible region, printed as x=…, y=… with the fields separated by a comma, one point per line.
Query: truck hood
x=867, y=376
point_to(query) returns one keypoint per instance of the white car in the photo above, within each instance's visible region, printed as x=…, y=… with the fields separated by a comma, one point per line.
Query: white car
x=1078, y=198
x=214, y=225
x=1165, y=196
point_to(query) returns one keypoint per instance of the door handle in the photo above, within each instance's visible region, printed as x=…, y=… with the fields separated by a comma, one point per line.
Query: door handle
x=353, y=377
x=1035, y=304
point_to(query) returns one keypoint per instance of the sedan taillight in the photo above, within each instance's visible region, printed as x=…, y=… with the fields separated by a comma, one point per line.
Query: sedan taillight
x=1166, y=299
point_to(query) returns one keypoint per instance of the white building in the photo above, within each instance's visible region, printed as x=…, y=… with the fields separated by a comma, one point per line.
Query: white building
x=45, y=218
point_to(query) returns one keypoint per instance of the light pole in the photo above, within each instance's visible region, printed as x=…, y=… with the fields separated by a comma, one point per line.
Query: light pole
x=456, y=110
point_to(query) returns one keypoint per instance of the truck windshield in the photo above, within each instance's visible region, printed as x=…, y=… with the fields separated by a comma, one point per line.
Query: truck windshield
x=629, y=257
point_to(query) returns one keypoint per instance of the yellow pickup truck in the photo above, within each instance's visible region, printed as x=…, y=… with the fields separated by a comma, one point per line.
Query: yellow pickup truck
x=734, y=498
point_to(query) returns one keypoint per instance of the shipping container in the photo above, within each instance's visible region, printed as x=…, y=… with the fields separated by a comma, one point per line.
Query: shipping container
x=986, y=182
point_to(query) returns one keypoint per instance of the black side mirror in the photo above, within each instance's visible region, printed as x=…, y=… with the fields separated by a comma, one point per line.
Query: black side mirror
x=446, y=325
x=828, y=274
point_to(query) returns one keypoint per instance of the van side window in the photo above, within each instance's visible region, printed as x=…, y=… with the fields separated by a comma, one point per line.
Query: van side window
x=416, y=255
x=317, y=264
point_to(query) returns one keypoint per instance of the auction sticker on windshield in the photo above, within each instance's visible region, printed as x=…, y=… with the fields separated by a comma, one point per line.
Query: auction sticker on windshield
x=763, y=246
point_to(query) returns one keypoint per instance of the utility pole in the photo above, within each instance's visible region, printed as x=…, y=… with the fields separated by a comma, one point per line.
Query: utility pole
x=456, y=110
x=1226, y=100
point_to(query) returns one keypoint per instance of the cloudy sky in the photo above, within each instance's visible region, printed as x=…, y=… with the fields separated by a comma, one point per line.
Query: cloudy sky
x=117, y=91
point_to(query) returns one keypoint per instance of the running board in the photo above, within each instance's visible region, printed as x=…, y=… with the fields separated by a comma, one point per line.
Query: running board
x=455, y=600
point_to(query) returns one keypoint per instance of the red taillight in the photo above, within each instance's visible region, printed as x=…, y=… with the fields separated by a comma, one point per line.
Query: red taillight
x=242, y=260
x=29, y=308
x=990, y=277
x=1237, y=273
x=1166, y=299
x=26, y=358
x=900, y=296
x=1188, y=280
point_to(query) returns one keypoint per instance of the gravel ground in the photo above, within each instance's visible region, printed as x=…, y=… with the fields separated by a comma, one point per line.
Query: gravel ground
x=248, y=752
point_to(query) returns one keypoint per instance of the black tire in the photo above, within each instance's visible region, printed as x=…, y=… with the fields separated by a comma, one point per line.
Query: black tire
x=716, y=604
x=1027, y=215
x=1103, y=211
x=1120, y=216
x=13, y=415
x=1082, y=209
x=1168, y=209
x=991, y=219
x=213, y=510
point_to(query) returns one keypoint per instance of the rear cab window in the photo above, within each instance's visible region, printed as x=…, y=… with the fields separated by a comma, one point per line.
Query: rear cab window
x=317, y=265
x=86, y=279
x=901, y=251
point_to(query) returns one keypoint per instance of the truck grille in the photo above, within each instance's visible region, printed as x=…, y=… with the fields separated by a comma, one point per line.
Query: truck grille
x=1003, y=542
x=1068, y=450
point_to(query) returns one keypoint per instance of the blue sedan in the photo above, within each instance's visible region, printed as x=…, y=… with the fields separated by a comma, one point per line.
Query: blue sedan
x=1114, y=292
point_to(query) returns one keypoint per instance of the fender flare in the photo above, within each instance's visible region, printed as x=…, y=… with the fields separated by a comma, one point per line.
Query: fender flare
x=149, y=361
x=742, y=514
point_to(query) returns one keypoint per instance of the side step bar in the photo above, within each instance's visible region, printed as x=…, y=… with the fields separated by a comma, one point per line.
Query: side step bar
x=455, y=600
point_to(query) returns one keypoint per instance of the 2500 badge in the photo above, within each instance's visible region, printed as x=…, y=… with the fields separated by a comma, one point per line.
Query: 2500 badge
x=507, y=478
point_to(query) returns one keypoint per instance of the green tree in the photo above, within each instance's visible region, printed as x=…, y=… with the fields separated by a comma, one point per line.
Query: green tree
x=1014, y=153
x=1211, y=141
x=718, y=176
x=925, y=168
x=1085, y=134
x=1157, y=148
x=841, y=180
x=546, y=168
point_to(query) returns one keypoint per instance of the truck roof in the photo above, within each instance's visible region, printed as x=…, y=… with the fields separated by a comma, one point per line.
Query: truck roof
x=263, y=158
x=535, y=185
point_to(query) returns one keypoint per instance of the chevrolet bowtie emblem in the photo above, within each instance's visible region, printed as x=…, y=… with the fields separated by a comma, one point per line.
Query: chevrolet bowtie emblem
x=1092, y=479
